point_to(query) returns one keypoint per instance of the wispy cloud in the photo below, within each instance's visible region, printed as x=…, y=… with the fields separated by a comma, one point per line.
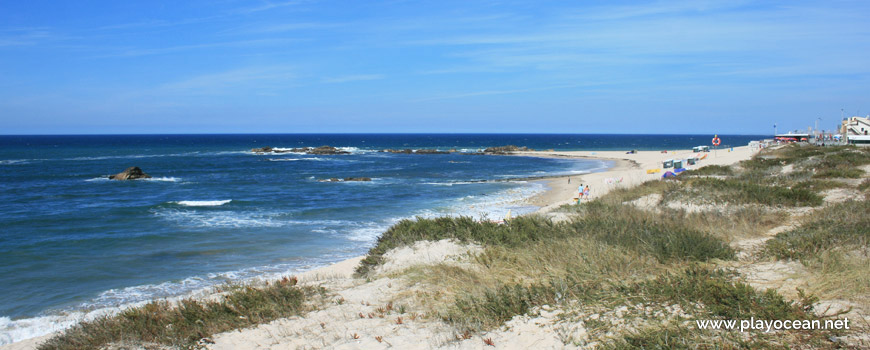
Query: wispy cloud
x=501, y=92
x=350, y=78
x=134, y=52
x=269, y=5
x=28, y=36
x=263, y=79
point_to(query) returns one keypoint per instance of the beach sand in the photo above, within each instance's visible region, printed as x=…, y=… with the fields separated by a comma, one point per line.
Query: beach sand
x=628, y=170
x=337, y=325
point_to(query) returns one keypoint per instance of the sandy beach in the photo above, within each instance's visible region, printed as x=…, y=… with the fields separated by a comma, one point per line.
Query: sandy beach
x=627, y=170
x=336, y=323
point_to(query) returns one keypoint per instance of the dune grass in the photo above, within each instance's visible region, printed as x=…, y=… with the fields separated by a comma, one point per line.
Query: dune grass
x=615, y=225
x=841, y=226
x=722, y=170
x=185, y=324
x=738, y=191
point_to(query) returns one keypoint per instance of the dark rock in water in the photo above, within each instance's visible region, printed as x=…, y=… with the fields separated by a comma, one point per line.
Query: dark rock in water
x=326, y=150
x=506, y=149
x=406, y=151
x=335, y=179
x=357, y=179
x=266, y=149
x=430, y=151
x=131, y=173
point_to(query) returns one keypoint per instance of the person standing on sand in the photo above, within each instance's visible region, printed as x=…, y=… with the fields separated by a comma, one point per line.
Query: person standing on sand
x=580, y=191
x=586, y=192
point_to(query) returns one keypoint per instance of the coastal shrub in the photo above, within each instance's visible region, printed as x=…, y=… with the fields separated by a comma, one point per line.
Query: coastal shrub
x=499, y=305
x=660, y=236
x=839, y=171
x=761, y=162
x=864, y=185
x=819, y=185
x=739, y=191
x=841, y=225
x=624, y=194
x=185, y=324
x=711, y=170
x=712, y=292
x=744, y=221
x=618, y=225
x=465, y=229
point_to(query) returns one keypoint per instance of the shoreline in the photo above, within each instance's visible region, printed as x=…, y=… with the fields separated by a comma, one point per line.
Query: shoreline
x=629, y=168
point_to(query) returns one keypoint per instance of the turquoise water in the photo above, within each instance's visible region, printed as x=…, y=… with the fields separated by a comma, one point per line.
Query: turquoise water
x=73, y=242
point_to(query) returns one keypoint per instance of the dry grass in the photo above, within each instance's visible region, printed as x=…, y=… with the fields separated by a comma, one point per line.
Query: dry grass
x=842, y=275
x=186, y=324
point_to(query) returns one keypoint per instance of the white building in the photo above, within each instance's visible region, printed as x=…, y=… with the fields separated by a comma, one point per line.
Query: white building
x=856, y=129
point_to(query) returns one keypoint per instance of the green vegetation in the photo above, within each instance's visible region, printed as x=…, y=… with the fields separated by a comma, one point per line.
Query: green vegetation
x=185, y=324
x=657, y=235
x=611, y=254
x=608, y=254
x=722, y=170
x=841, y=226
x=661, y=237
x=737, y=191
x=715, y=293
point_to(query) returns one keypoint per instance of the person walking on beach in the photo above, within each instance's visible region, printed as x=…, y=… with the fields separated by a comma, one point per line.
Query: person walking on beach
x=586, y=192
x=580, y=191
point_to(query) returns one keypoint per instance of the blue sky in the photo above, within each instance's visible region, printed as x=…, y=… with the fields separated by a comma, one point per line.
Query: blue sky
x=438, y=66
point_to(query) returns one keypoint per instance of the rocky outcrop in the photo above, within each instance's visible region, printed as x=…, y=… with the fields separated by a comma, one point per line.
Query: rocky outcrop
x=131, y=173
x=335, y=179
x=266, y=149
x=506, y=149
x=325, y=150
x=405, y=151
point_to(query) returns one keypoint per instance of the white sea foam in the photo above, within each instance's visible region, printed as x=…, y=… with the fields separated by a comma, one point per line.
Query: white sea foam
x=219, y=219
x=14, y=161
x=113, y=301
x=450, y=183
x=153, y=179
x=103, y=178
x=163, y=179
x=203, y=203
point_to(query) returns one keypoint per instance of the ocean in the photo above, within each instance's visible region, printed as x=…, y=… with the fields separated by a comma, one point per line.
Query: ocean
x=74, y=244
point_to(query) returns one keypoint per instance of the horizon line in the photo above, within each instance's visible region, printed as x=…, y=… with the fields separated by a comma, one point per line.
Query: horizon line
x=380, y=133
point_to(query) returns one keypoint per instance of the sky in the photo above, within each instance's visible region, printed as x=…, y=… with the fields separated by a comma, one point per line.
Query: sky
x=229, y=66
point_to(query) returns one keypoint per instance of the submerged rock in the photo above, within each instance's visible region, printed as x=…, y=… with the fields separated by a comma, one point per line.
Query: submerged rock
x=326, y=150
x=406, y=151
x=131, y=173
x=506, y=149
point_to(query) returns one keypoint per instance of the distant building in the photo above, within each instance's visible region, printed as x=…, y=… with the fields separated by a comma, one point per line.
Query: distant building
x=856, y=129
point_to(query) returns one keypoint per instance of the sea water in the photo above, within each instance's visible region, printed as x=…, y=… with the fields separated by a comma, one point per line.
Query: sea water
x=74, y=245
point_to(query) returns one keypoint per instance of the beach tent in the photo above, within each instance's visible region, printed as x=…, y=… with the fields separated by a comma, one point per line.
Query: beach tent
x=668, y=174
x=680, y=170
